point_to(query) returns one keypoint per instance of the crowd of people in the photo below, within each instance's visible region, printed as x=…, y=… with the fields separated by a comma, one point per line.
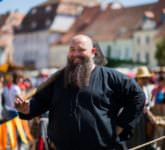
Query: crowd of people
x=152, y=83
x=152, y=122
x=13, y=84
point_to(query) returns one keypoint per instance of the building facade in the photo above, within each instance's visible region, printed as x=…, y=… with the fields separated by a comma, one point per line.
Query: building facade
x=42, y=26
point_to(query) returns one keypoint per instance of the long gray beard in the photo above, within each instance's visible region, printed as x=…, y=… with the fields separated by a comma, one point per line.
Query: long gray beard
x=78, y=75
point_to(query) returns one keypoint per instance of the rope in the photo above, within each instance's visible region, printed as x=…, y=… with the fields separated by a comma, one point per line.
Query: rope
x=147, y=143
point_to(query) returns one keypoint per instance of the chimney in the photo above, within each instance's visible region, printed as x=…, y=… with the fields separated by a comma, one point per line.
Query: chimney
x=116, y=4
x=104, y=5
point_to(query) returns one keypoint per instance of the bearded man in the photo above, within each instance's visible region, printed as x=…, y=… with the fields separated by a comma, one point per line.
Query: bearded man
x=90, y=107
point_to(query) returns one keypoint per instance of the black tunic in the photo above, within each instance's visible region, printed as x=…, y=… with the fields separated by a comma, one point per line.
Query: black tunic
x=86, y=118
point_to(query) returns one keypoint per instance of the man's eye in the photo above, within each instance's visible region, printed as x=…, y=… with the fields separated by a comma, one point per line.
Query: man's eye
x=82, y=50
x=72, y=50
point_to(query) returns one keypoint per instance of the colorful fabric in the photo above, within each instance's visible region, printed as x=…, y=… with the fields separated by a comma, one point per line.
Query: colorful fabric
x=11, y=129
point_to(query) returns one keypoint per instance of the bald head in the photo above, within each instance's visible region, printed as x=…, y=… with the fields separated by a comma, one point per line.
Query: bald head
x=83, y=40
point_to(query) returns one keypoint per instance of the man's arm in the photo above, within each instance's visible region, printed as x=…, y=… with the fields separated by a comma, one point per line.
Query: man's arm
x=36, y=106
x=129, y=97
x=133, y=101
x=41, y=98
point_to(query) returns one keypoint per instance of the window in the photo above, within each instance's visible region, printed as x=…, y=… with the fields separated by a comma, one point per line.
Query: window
x=47, y=23
x=138, y=57
x=127, y=54
x=138, y=40
x=119, y=54
x=147, y=56
x=1, y=54
x=33, y=25
x=109, y=51
x=34, y=10
x=29, y=62
x=147, y=39
x=48, y=8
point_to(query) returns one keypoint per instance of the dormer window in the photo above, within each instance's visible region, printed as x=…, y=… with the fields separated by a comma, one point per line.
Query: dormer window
x=48, y=8
x=116, y=5
x=104, y=5
x=79, y=9
x=164, y=10
x=33, y=25
x=34, y=11
x=47, y=23
x=123, y=30
x=148, y=20
x=149, y=14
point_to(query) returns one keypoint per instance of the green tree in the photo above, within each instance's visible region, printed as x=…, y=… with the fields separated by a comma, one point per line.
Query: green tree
x=109, y=51
x=160, y=52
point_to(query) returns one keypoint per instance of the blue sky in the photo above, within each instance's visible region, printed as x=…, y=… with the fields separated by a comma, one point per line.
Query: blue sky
x=25, y=5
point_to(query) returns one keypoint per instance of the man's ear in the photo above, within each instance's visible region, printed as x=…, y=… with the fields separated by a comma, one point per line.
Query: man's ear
x=94, y=51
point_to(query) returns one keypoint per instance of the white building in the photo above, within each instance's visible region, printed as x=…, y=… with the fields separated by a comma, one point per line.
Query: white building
x=146, y=37
x=42, y=26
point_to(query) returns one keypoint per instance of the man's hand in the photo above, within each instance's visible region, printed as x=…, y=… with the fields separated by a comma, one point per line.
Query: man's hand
x=118, y=130
x=150, y=115
x=21, y=105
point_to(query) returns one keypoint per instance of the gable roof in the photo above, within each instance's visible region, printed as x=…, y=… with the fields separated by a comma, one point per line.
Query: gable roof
x=70, y=9
x=38, y=18
x=13, y=20
x=3, y=19
x=41, y=17
x=84, y=20
x=121, y=23
x=76, y=2
x=114, y=24
x=117, y=23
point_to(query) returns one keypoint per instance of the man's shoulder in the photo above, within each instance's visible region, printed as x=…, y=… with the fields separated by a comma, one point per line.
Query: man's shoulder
x=57, y=74
x=106, y=69
x=111, y=71
x=54, y=79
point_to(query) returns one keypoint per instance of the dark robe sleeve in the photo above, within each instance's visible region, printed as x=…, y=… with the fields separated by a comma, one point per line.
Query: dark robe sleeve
x=131, y=98
x=41, y=101
x=38, y=104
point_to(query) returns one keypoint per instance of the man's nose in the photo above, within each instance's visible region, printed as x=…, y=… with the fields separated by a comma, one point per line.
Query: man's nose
x=75, y=54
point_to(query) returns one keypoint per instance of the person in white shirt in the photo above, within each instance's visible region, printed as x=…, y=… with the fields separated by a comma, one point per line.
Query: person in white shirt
x=10, y=91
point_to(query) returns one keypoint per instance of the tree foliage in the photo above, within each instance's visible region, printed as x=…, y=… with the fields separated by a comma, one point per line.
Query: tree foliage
x=117, y=62
x=160, y=52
